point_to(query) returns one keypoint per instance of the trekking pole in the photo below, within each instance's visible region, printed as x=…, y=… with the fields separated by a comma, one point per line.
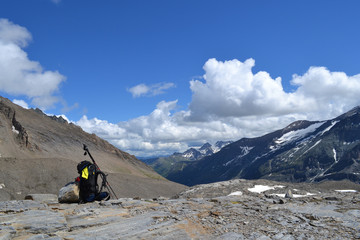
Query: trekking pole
x=102, y=177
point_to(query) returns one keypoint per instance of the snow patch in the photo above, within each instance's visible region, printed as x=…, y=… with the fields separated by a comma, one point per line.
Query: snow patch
x=245, y=150
x=328, y=128
x=238, y=193
x=2, y=185
x=298, y=134
x=188, y=155
x=294, y=195
x=346, y=191
x=334, y=151
x=263, y=188
x=14, y=130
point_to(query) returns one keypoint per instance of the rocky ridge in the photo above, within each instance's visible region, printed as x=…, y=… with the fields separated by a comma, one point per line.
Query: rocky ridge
x=236, y=209
x=172, y=164
x=304, y=151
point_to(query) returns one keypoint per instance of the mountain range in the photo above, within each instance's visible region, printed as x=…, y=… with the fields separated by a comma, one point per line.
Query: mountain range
x=304, y=151
x=177, y=161
x=39, y=154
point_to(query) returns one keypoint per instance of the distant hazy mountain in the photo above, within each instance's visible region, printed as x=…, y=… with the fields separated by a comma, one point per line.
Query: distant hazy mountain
x=177, y=161
x=303, y=151
x=39, y=154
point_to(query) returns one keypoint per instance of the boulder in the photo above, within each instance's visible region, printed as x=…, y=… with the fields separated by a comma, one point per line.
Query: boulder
x=69, y=193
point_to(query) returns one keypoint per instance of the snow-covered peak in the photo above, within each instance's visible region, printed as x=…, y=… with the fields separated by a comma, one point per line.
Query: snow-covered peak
x=219, y=145
x=205, y=150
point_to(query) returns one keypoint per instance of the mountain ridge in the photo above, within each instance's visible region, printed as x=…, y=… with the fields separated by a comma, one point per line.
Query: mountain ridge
x=33, y=144
x=167, y=165
x=302, y=151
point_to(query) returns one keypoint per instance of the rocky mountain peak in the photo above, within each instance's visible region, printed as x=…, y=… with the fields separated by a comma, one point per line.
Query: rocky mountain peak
x=297, y=125
x=177, y=161
x=206, y=149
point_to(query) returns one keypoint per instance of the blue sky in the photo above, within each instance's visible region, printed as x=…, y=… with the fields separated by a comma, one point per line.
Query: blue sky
x=155, y=77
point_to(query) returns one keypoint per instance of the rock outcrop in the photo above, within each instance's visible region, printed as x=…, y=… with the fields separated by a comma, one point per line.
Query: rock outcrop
x=260, y=212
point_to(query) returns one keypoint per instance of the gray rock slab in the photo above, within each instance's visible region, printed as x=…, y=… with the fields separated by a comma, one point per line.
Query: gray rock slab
x=249, y=216
x=35, y=221
x=43, y=198
x=145, y=226
x=20, y=206
x=87, y=218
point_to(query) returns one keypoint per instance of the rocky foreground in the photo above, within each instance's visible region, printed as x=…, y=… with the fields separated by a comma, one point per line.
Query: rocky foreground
x=236, y=209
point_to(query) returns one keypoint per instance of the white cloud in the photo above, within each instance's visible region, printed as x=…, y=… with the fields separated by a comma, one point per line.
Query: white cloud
x=152, y=90
x=12, y=33
x=231, y=89
x=21, y=76
x=21, y=103
x=327, y=94
x=229, y=103
x=139, y=90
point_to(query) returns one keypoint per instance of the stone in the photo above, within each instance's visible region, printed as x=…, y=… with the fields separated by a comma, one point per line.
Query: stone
x=332, y=198
x=69, y=194
x=289, y=194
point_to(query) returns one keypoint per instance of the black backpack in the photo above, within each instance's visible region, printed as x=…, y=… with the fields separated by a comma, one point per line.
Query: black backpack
x=88, y=180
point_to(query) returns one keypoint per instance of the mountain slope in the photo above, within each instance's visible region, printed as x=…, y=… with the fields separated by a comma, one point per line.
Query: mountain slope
x=176, y=162
x=39, y=153
x=303, y=151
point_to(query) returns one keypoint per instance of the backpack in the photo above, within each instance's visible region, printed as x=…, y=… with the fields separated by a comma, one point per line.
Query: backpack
x=89, y=187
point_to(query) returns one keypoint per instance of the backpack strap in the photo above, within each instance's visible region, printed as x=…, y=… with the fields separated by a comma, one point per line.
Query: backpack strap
x=103, y=183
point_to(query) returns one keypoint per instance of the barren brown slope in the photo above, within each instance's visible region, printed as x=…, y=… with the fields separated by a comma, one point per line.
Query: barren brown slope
x=39, y=154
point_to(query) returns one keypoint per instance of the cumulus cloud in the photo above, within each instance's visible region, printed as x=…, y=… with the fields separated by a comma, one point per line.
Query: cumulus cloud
x=230, y=102
x=151, y=90
x=21, y=76
x=231, y=89
x=327, y=94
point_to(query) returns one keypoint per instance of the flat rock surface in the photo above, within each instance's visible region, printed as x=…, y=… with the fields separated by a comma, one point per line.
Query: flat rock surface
x=256, y=213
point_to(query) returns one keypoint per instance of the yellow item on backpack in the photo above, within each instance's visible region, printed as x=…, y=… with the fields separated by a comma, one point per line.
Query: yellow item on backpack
x=85, y=173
